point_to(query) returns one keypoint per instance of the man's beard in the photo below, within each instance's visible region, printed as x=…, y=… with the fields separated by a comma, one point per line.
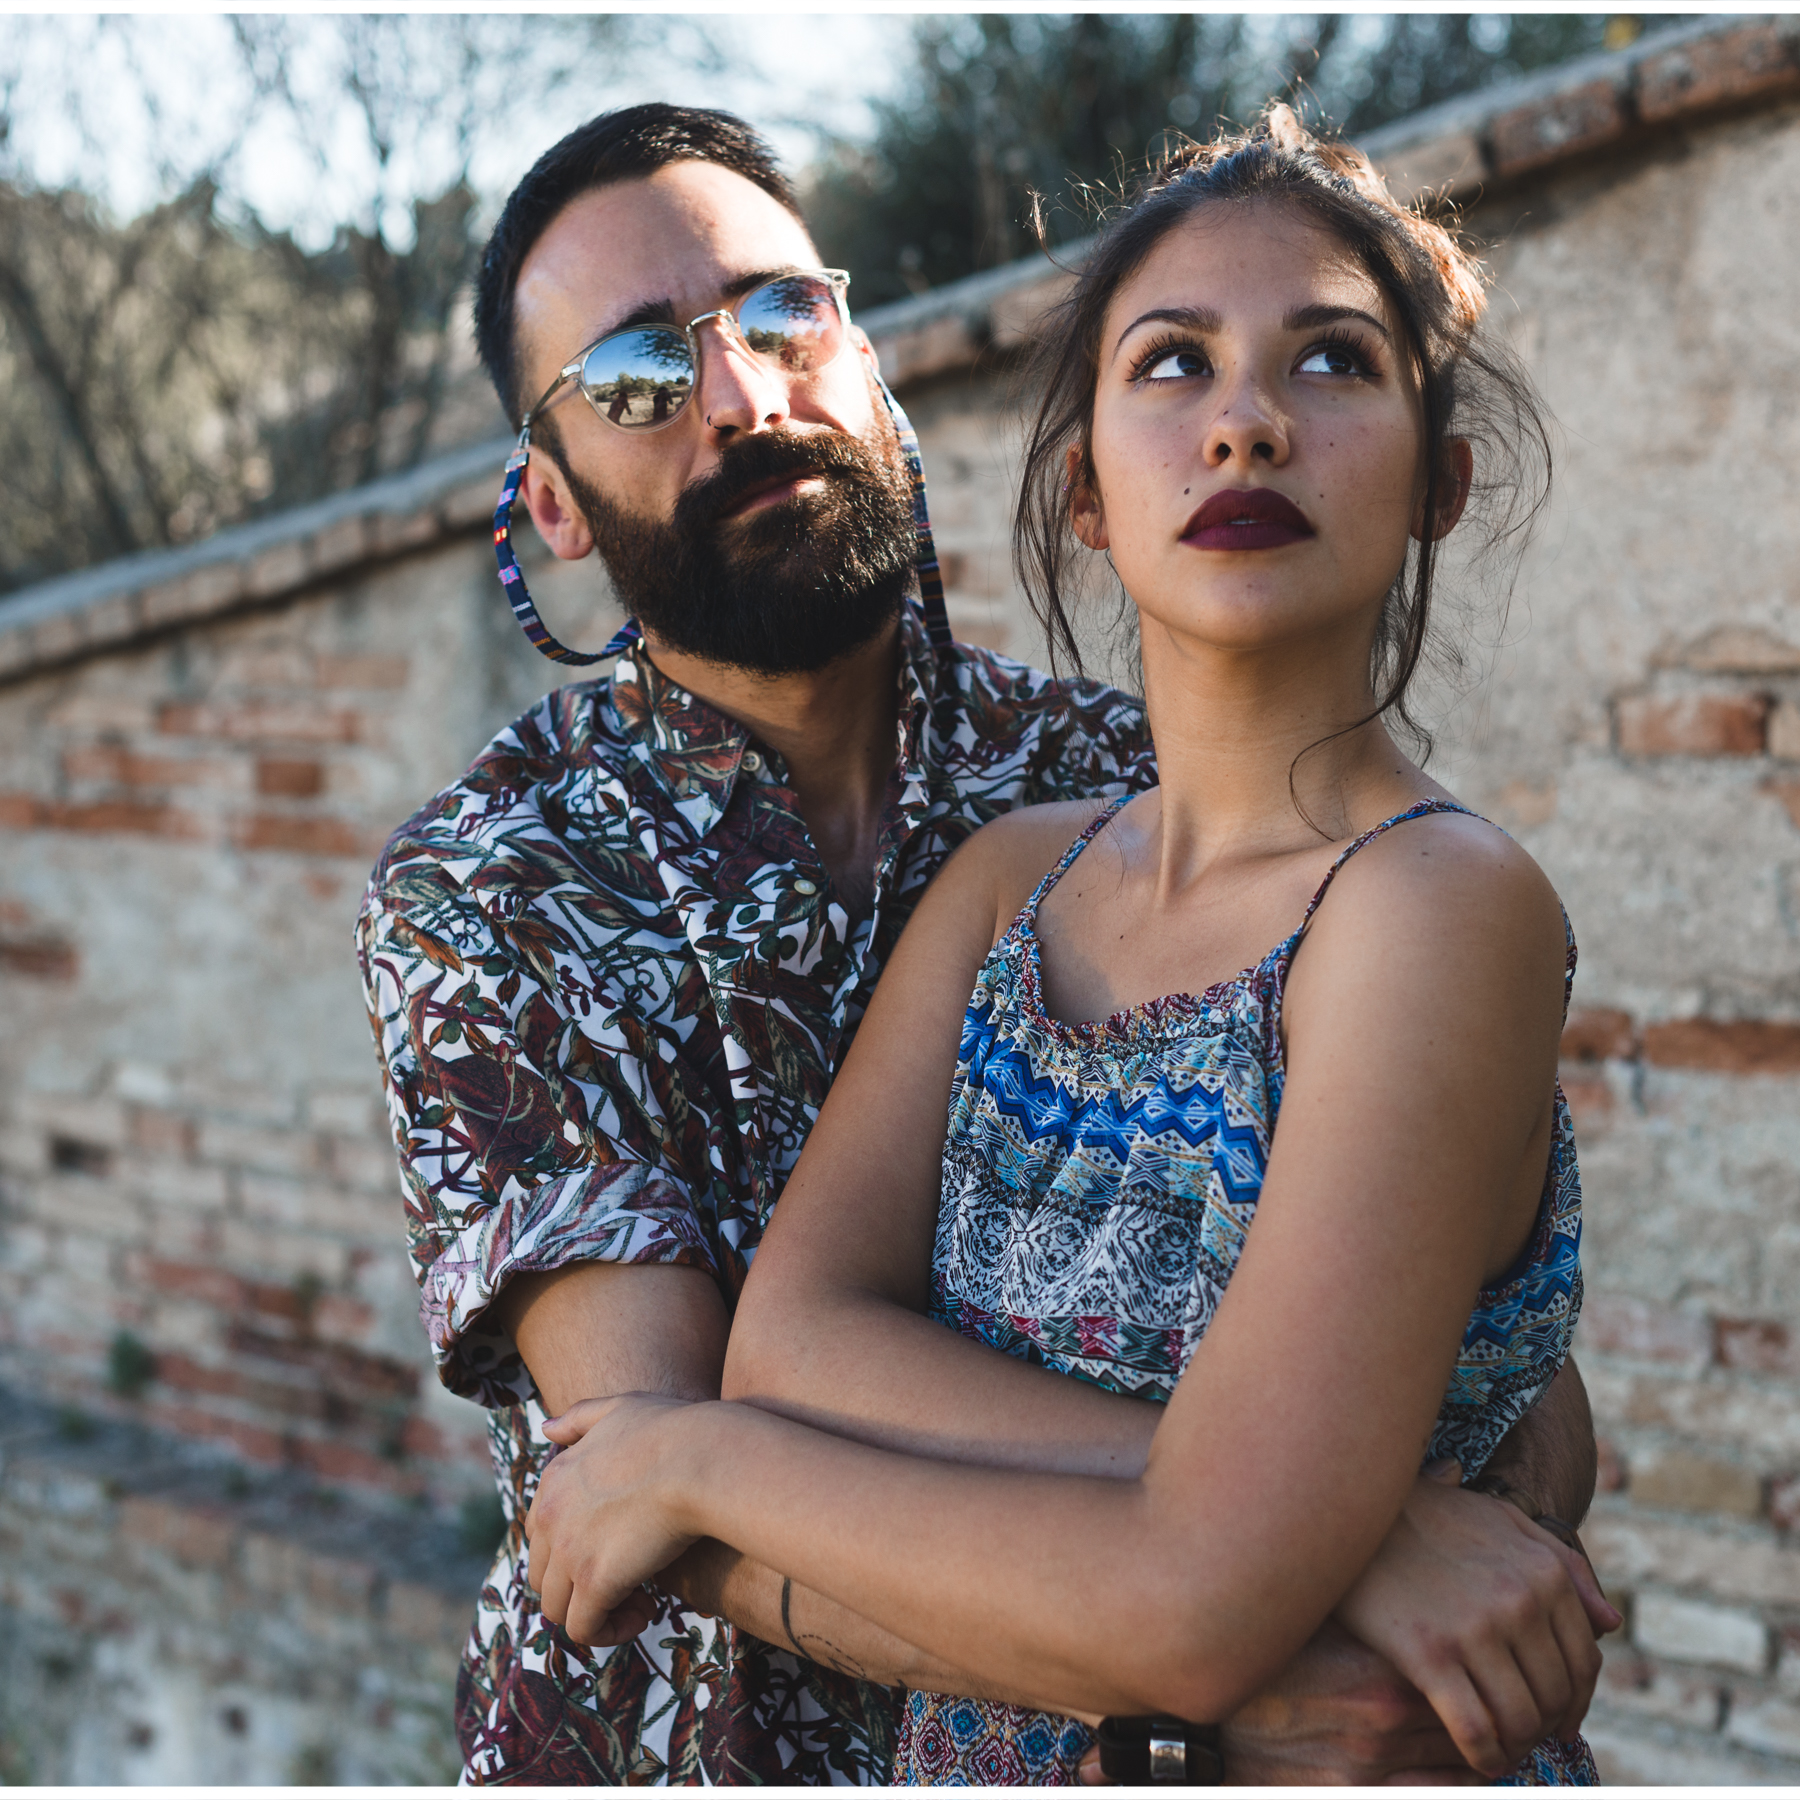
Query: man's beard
x=787, y=588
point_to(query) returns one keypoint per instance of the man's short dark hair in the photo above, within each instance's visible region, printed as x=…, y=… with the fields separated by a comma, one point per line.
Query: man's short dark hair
x=617, y=146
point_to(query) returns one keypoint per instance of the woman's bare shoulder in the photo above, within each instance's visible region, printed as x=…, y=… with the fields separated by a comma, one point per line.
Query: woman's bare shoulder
x=1450, y=884
x=1010, y=855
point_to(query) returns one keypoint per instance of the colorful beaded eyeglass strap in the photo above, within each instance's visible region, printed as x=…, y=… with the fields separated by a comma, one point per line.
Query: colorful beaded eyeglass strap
x=518, y=596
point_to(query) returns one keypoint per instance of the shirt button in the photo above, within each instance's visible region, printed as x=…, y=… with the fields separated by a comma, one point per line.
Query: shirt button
x=752, y=763
x=804, y=886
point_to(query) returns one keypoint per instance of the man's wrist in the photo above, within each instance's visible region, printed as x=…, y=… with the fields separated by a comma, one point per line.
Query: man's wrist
x=1497, y=1485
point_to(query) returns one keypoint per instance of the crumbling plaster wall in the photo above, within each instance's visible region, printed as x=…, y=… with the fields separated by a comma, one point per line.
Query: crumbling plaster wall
x=1633, y=716
x=191, y=1149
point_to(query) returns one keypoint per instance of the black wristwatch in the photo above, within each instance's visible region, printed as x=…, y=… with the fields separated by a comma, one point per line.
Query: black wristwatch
x=1151, y=1750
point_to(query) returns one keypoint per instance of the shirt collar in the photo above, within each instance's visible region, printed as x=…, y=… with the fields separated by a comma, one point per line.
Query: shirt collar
x=694, y=753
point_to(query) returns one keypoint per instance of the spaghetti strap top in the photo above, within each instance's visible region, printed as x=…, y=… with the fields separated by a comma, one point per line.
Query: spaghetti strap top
x=1099, y=1182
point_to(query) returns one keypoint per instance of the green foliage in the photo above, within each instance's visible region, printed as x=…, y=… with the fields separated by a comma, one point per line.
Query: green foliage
x=481, y=1524
x=996, y=106
x=74, y=1426
x=130, y=1365
x=189, y=366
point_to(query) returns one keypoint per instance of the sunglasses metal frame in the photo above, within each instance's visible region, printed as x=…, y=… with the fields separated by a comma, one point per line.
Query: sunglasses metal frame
x=837, y=279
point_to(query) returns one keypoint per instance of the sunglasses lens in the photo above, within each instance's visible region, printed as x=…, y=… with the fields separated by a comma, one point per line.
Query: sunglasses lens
x=639, y=379
x=794, y=322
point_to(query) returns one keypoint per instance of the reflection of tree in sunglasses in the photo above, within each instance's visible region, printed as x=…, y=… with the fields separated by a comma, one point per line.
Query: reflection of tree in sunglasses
x=790, y=321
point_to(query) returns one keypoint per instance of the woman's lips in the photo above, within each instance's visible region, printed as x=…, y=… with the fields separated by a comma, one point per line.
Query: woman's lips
x=1246, y=519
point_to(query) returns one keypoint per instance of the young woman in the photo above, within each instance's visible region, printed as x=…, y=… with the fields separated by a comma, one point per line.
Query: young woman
x=1314, y=1205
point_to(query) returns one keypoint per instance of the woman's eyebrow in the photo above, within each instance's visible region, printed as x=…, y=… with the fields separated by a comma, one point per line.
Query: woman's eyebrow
x=1200, y=319
x=1309, y=318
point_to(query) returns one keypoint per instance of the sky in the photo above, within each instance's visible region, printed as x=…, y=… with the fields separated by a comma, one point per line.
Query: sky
x=127, y=106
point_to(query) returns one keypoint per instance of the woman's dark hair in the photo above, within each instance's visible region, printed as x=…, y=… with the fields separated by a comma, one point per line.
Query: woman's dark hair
x=615, y=146
x=1468, y=387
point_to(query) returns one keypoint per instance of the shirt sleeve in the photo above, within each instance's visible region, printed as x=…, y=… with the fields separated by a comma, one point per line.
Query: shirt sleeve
x=527, y=1140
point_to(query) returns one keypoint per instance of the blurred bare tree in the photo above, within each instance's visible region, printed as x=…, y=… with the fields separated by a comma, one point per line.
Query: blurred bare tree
x=998, y=104
x=168, y=372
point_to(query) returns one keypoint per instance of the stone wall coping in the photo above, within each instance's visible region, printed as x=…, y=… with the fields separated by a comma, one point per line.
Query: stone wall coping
x=1463, y=147
x=134, y=596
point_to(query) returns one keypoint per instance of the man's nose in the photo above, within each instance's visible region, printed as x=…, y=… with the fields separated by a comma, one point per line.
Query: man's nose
x=738, y=390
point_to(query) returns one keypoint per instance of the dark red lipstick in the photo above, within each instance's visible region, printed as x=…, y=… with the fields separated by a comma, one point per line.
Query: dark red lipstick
x=1247, y=519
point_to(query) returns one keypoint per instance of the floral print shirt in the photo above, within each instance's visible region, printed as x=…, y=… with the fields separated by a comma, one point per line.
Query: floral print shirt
x=610, y=983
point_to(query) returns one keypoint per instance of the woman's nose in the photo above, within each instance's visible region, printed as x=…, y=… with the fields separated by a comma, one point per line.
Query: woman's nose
x=1248, y=428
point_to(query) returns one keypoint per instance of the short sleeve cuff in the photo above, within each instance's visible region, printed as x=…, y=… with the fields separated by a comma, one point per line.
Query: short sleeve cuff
x=620, y=1212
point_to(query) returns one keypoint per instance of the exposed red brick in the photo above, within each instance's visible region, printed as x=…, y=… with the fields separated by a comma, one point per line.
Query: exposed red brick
x=1548, y=130
x=1715, y=71
x=1737, y=1046
x=425, y=1616
x=296, y=776
x=162, y=1133
x=302, y=836
x=40, y=958
x=338, y=1461
x=420, y=1437
x=1784, y=1515
x=186, y=1376
x=1609, y=1473
x=340, y=1581
x=298, y=721
x=1759, y=1344
x=20, y=812
x=130, y=768
x=1692, y=724
x=1598, y=1034
x=1614, y=1325
x=353, y=1375
x=200, y=1536
x=1590, y=1099
x=276, y=1301
x=363, y=671
x=339, y=1319
x=254, y=1441
x=191, y=1281
x=147, y=817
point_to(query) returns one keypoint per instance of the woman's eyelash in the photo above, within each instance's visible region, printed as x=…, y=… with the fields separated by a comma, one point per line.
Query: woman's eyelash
x=1350, y=344
x=1152, y=354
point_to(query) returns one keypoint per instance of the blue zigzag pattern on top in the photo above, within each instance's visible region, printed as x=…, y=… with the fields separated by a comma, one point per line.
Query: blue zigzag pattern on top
x=1100, y=1182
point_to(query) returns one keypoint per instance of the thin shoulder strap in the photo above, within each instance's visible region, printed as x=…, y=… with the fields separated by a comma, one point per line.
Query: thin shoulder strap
x=1422, y=810
x=1095, y=826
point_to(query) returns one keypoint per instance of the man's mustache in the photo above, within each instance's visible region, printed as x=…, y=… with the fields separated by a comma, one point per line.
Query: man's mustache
x=766, y=456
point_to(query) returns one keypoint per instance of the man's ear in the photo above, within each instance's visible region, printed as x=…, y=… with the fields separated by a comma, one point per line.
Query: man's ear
x=558, y=519
x=1087, y=517
x=1453, y=495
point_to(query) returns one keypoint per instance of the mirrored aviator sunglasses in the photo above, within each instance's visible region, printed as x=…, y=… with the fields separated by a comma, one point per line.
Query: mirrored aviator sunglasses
x=639, y=380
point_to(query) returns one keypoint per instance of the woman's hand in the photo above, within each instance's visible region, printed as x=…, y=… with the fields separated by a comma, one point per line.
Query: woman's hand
x=1490, y=1618
x=601, y=1522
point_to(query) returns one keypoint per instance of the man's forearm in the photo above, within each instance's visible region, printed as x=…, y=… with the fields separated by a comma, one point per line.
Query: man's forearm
x=1550, y=1453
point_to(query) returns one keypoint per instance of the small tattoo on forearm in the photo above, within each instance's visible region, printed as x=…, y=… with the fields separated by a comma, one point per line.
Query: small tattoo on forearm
x=787, y=1620
x=828, y=1653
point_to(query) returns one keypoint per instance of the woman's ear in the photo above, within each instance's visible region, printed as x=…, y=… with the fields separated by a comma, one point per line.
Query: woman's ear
x=1453, y=494
x=558, y=520
x=1087, y=517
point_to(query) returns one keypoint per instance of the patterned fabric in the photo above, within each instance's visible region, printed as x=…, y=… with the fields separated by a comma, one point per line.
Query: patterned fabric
x=610, y=983
x=1099, y=1180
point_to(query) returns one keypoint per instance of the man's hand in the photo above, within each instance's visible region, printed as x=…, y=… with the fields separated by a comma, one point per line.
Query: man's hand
x=1337, y=1715
x=1491, y=1617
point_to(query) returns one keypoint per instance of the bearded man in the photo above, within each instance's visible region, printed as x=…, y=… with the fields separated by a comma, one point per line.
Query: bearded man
x=612, y=968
